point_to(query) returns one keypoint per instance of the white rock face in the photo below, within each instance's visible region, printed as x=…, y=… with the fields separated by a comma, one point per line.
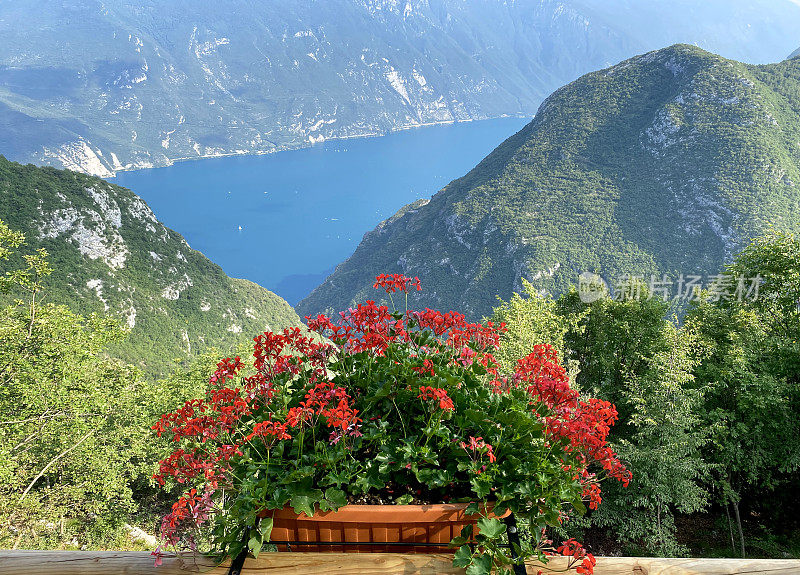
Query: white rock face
x=96, y=240
x=663, y=133
x=173, y=291
x=136, y=534
x=107, y=206
x=398, y=83
x=97, y=286
x=130, y=317
x=457, y=229
x=80, y=157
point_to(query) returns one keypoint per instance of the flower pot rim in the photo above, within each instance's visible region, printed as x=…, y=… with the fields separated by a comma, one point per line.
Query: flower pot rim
x=385, y=514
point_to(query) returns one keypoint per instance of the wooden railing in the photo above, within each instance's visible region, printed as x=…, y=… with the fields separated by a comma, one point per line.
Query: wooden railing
x=141, y=563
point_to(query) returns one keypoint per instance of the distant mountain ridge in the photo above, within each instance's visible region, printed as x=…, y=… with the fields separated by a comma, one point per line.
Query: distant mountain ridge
x=795, y=54
x=101, y=86
x=665, y=163
x=112, y=256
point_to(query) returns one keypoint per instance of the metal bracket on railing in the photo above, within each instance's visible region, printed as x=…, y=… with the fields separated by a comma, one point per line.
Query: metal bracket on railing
x=238, y=562
x=513, y=540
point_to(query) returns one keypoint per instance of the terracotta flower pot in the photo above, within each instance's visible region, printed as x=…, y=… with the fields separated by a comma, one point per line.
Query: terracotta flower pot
x=374, y=528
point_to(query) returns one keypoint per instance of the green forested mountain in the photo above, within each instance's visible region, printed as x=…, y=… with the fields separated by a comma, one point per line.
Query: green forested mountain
x=100, y=86
x=111, y=255
x=665, y=163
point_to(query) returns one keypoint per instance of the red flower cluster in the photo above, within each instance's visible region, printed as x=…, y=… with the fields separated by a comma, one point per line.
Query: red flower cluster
x=591, y=492
x=269, y=429
x=479, y=447
x=226, y=369
x=437, y=394
x=192, y=508
x=574, y=550
x=368, y=327
x=330, y=402
x=183, y=465
x=457, y=331
x=546, y=380
x=584, y=424
x=396, y=282
x=280, y=352
x=426, y=368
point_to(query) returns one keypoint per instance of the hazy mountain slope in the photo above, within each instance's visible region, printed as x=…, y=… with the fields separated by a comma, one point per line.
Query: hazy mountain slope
x=666, y=163
x=111, y=255
x=100, y=86
x=795, y=53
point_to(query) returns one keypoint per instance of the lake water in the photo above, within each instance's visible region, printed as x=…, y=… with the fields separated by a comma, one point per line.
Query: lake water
x=286, y=220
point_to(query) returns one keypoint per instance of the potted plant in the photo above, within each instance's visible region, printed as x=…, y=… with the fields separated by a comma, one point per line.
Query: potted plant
x=404, y=411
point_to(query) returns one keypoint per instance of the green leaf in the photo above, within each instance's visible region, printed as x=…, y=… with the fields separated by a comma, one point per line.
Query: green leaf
x=476, y=415
x=303, y=504
x=480, y=487
x=235, y=548
x=472, y=509
x=491, y=527
x=336, y=497
x=463, y=556
x=481, y=565
x=255, y=544
x=404, y=499
x=265, y=528
x=434, y=477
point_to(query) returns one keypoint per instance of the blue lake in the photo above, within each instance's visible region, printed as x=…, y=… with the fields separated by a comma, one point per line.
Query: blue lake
x=286, y=220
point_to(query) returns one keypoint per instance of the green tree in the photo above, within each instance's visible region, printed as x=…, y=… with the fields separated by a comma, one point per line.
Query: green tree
x=662, y=448
x=74, y=437
x=530, y=318
x=751, y=372
x=612, y=340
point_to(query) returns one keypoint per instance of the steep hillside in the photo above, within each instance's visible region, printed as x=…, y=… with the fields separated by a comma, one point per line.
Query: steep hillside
x=101, y=86
x=666, y=163
x=111, y=255
x=795, y=54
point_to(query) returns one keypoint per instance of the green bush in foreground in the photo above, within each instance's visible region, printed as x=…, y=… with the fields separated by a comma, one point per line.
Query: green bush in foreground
x=73, y=423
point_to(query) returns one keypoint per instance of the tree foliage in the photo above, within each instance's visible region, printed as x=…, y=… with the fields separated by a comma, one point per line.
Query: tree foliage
x=708, y=407
x=751, y=372
x=73, y=423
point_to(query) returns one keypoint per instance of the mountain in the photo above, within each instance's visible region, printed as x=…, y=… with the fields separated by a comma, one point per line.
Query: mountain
x=665, y=163
x=111, y=255
x=99, y=86
x=795, y=54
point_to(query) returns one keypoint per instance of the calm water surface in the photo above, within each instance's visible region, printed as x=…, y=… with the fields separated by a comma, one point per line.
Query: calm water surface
x=286, y=220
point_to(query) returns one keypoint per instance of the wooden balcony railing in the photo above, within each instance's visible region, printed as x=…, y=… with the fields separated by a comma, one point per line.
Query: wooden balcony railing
x=141, y=563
